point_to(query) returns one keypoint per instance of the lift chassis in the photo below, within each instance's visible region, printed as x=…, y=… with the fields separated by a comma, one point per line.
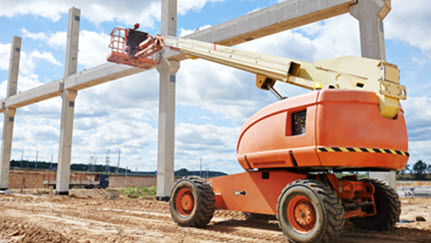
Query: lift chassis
x=352, y=121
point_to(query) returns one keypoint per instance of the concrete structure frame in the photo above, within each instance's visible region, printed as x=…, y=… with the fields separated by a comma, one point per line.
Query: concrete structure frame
x=279, y=17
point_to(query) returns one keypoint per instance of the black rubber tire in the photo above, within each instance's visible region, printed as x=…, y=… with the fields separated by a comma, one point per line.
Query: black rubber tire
x=204, y=202
x=328, y=209
x=258, y=217
x=388, y=207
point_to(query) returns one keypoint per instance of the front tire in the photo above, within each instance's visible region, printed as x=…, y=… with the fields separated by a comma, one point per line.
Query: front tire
x=310, y=211
x=192, y=202
x=388, y=208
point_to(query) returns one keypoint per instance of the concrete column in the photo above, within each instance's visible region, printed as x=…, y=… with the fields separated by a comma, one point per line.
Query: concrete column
x=65, y=150
x=370, y=14
x=68, y=105
x=166, y=133
x=166, y=127
x=169, y=17
x=9, y=113
x=6, y=147
x=71, y=63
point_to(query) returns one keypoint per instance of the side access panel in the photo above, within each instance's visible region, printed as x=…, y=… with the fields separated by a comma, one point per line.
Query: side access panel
x=254, y=191
x=266, y=139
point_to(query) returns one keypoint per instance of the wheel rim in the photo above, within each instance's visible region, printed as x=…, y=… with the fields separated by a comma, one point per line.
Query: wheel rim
x=185, y=202
x=301, y=214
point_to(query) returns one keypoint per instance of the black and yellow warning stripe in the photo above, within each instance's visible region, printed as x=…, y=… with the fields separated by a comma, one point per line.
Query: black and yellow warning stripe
x=362, y=150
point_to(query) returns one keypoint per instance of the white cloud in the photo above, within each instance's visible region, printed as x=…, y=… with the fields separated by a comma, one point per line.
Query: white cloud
x=193, y=5
x=27, y=61
x=4, y=56
x=409, y=22
x=133, y=11
x=219, y=89
x=338, y=36
x=97, y=12
x=233, y=93
x=58, y=39
x=254, y=10
x=93, y=48
x=184, y=32
x=33, y=36
x=215, y=145
x=26, y=65
x=418, y=119
x=46, y=9
x=418, y=112
x=47, y=56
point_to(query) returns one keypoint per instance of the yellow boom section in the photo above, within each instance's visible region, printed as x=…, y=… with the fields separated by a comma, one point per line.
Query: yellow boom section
x=346, y=72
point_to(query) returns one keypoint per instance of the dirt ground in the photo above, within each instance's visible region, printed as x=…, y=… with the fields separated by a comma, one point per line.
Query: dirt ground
x=413, y=183
x=82, y=217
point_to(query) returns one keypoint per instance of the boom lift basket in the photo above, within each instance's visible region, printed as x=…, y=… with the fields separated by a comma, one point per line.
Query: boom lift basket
x=124, y=44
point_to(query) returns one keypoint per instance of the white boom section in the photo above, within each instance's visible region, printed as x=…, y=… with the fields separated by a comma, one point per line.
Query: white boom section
x=338, y=73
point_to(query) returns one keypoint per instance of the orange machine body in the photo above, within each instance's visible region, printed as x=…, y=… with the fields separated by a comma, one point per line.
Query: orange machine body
x=252, y=191
x=258, y=191
x=342, y=130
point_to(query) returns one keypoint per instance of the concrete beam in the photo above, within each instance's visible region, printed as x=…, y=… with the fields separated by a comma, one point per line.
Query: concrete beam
x=68, y=97
x=98, y=75
x=166, y=128
x=35, y=95
x=276, y=18
x=9, y=113
x=85, y=79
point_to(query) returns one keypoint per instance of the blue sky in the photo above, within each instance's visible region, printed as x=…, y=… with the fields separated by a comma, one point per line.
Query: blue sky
x=212, y=101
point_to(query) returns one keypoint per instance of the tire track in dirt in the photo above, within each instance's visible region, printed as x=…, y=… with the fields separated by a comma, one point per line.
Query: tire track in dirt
x=66, y=219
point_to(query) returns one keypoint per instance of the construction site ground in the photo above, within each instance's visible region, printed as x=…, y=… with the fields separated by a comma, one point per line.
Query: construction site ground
x=104, y=216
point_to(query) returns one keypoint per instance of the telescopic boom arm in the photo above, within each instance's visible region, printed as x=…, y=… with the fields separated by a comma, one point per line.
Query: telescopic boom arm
x=346, y=72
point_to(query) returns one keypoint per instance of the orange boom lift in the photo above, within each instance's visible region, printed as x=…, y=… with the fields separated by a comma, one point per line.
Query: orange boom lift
x=352, y=121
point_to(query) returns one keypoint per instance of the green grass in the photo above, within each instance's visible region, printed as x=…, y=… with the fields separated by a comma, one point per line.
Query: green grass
x=139, y=192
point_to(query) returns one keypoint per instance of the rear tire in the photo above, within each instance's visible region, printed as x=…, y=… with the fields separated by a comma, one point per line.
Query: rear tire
x=388, y=207
x=310, y=211
x=192, y=202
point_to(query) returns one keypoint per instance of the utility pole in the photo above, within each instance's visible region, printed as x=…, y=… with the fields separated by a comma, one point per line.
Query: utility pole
x=22, y=155
x=52, y=158
x=95, y=163
x=118, y=161
x=200, y=167
x=125, y=177
x=90, y=163
x=37, y=154
x=107, y=162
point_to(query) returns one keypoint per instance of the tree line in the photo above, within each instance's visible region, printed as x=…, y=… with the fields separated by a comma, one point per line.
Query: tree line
x=419, y=170
x=41, y=165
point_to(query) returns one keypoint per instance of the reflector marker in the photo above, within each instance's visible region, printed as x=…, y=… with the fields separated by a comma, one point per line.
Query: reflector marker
x=363, y=150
